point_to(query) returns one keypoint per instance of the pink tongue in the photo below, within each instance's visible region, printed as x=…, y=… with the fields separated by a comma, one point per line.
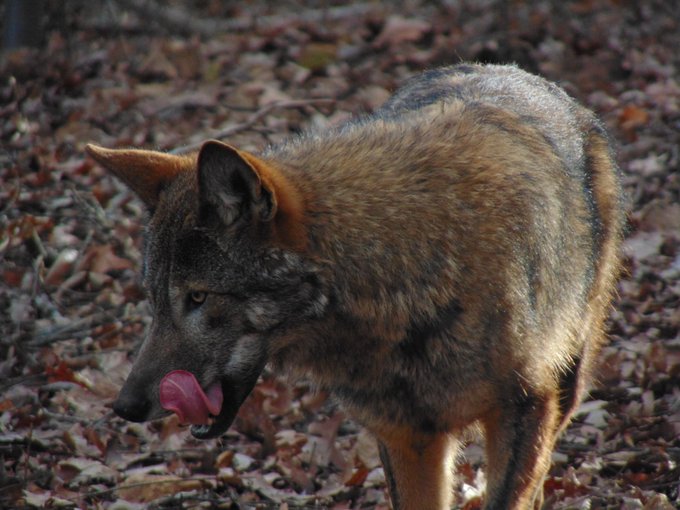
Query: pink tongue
x=181, y=393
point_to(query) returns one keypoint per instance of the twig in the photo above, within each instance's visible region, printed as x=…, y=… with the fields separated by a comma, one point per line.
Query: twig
x=180, y=20
x=100, y=424
x=255, y=117
x=204, y=480
x=78, y=328
x=23, y=380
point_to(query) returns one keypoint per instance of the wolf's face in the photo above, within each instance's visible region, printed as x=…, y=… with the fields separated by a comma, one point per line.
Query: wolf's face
x=223, y=278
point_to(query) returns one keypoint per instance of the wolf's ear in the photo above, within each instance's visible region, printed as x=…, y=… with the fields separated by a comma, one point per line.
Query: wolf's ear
x=233, y=182
x=145, y=172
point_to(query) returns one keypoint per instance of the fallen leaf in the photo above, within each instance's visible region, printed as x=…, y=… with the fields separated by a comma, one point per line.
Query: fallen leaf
x=144, y=488
x=62, y=266
x=643, y=245
x=398, y=29
x=102, y=259
x=631, y=119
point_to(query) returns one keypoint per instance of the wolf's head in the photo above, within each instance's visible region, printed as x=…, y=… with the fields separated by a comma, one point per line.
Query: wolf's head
x=225, y=272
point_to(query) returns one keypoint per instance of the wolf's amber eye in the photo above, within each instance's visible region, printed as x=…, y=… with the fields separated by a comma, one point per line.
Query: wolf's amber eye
x=197, y=297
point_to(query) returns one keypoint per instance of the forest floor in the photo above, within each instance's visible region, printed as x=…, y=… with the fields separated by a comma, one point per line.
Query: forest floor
x=71, y=307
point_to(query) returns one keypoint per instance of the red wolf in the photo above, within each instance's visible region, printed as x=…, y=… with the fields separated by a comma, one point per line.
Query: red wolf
x=445, y=263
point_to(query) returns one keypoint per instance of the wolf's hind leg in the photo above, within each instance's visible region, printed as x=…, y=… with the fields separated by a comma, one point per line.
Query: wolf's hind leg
x=520, y=437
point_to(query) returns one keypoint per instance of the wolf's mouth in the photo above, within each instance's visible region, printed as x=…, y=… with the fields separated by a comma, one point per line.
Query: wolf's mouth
x=212, y=411
x=218, y=424
x=180, y=393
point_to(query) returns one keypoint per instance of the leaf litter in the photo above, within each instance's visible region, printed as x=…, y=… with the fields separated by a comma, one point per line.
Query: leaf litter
x=72, y=310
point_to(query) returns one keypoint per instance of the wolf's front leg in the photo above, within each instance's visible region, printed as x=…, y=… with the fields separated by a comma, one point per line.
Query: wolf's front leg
x=419, y=469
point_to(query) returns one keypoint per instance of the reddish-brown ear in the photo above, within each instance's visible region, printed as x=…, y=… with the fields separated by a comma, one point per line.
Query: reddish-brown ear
x=232, y=183
x=145, y=172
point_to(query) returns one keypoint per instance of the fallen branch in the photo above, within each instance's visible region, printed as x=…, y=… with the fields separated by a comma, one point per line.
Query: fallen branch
x=252, y=120
x=75, y=329
x=180, y=20
x=185, y=484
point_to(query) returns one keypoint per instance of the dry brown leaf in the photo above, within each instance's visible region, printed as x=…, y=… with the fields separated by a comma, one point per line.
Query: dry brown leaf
x=144, y=488
x=152, y=87
x=398, y=30
x=62, y=266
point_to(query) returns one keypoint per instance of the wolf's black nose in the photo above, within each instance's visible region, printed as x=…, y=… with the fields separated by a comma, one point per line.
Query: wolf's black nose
x=132, y=409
